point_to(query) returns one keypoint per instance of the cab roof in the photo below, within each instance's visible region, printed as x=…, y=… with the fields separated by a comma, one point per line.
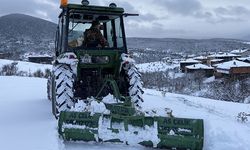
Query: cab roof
x=94, y=9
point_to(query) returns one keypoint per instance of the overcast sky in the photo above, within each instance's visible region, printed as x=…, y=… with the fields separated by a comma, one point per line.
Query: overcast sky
x=160, y=18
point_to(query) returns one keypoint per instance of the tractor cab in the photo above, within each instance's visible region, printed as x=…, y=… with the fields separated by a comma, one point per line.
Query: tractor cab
x=75, y=20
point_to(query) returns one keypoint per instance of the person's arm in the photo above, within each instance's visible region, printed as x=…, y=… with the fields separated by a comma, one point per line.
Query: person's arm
x=102, y=39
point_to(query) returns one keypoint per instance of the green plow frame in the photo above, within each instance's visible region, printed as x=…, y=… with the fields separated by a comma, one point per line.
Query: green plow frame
x=177, y=133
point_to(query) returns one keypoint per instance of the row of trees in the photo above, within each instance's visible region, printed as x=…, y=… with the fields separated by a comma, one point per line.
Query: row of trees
x=12, y=70
x=193, y=84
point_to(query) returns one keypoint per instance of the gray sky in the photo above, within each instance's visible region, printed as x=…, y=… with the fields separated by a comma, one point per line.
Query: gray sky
x=160, y=18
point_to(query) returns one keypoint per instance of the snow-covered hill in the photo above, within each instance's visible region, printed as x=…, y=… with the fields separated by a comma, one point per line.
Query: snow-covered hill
x=27, y=122
x=155, y=66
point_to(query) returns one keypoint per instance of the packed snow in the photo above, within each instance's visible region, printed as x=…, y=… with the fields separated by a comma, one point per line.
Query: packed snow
x=27, y=121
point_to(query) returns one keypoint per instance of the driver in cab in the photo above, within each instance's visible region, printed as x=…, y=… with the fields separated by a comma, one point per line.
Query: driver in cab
x=93, y=36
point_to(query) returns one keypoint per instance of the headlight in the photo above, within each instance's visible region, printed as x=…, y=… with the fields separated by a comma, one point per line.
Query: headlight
x=86, y=59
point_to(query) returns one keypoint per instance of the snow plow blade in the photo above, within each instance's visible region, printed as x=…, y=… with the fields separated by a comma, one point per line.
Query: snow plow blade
x=160, y=132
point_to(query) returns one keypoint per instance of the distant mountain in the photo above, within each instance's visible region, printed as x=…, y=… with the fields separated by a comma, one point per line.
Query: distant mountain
x=155, y=49
x=186, y=45
x=21, y=33
x=23, y=26
x=247, y=37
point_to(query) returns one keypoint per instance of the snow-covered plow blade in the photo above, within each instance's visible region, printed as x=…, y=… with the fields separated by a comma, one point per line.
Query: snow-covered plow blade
x=160, y=132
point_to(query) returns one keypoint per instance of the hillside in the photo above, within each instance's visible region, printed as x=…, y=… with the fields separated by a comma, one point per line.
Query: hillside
x=186, y=45
x=22, y=26
x=20, y=32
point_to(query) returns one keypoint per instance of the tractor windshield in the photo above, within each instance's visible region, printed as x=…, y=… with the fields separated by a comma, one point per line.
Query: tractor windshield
x=109, y=34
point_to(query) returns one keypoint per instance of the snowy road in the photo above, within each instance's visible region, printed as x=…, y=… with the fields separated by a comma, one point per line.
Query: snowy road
x=26, y=122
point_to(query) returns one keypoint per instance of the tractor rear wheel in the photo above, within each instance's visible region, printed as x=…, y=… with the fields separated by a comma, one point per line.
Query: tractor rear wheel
x=135, y=84
x=63, y=88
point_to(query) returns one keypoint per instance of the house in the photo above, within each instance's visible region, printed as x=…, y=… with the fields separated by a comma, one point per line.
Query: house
x=207, y=70
x=242, y=52
x=244, y=59
x=5, y=55
x=202, y=59
x=187, y=62
x=213, y=62
x=41, y=59
x=225, y=56
x=233, y=69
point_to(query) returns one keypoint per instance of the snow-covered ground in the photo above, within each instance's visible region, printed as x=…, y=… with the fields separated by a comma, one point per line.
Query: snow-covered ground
x=27, y=123
x=26, y=66
x=155, y=66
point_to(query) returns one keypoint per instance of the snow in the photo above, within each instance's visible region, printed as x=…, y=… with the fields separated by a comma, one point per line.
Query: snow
x=216, y=60
x=223, y=55
x=143, y=134
x=244, y=58
x=93, y=107
x=200, y=57
x=222, y=131
x=109, y=99
x=45, y=55
x=190, y=61
x=26, y=66
x=70, y=59
x=155, y=66
x=209, y=80
x=246, y=42
x=233, y=63
x=239, y=51
x=27, y=121
x=127, y=59
x=199, y=66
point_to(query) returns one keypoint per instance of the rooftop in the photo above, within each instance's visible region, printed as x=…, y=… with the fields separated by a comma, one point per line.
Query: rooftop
x=190, y=61
x=199, y=66
x=200, y=57
x=233, y=63
x=244, y=58
x=239, y=51
x=216, y=60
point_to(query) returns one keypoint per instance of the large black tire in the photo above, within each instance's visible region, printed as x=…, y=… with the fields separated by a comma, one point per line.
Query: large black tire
x=63, y=88
x=135, y=85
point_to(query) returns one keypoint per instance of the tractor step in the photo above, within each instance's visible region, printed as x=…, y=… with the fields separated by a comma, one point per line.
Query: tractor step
x=160, y=132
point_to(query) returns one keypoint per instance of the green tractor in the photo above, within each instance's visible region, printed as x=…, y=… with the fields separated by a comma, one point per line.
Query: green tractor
x=96, y=91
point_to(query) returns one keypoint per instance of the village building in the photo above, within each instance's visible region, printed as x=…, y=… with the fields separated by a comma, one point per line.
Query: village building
x=225, y=56
x=202, y=59
x=201, y=68
x=5, y=55
x=187, y=62
x=41, y=59
x=213, y=62
x=244, y=59
x=233, y=69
